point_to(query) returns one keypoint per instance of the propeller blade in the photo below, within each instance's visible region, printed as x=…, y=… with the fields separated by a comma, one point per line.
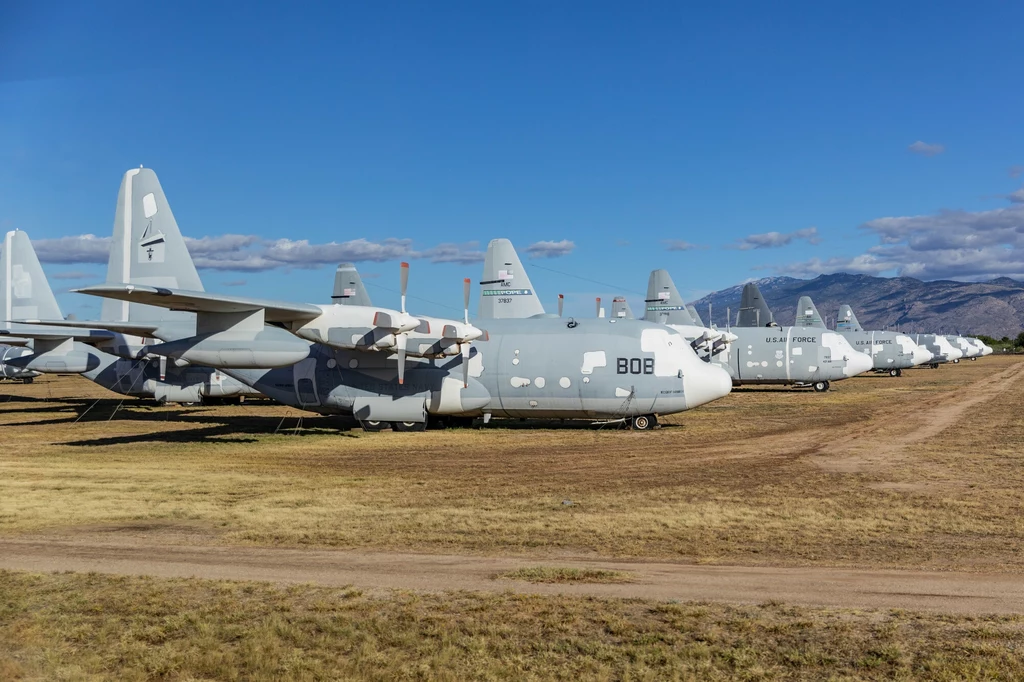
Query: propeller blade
x=465, y=299
x=404, y=282
x=163, y=367
x=402, y=341
x=465, y=365
x=597, y=313
x=561, y=303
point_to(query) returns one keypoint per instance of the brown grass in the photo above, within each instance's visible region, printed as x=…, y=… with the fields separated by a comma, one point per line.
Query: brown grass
x=562, y=574
x=86, y=626
x=741, y=480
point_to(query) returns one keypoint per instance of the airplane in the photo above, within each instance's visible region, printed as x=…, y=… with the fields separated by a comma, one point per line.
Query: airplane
x=970, y=350
x=939, y=346
x=14, y=346
x=765, y=353
x=983, y=347
x=540, y=368
x=890, y=352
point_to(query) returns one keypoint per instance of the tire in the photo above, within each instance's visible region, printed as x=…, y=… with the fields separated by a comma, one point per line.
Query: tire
x=409, y=427
x=29, y=380
x=820, y=386
x=644, y=422
x=935, y=365
x=371, y=426
x=899, y=372
x=957, y=361
x=894, y=372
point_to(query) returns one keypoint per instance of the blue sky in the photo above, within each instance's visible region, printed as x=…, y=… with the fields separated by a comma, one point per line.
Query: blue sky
x=621, y=129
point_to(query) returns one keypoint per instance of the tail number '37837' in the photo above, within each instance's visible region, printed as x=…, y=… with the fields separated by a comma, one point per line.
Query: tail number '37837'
x=634, y=365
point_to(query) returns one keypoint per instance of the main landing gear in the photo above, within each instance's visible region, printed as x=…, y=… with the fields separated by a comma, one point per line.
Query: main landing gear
x=644, y=422
x=820, y=386
x=371, y=426
x=895, y=372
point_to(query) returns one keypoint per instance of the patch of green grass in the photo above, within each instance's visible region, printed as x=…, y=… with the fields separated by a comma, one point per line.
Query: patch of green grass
x=558, y=574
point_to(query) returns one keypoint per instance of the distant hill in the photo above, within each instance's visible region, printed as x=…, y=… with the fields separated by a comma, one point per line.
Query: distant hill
x=995, y=308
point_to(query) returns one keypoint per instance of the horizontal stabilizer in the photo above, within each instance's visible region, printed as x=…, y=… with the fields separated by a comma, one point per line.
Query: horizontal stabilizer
x=203, y=302
x=135, y=328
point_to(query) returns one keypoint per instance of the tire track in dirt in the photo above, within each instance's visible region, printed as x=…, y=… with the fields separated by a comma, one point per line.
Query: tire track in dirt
x=847, y=588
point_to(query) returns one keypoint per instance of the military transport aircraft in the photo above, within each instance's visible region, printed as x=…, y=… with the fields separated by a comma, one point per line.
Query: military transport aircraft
x=664, y=305
x=766, y=353
x=890, y=352
x=354, y=357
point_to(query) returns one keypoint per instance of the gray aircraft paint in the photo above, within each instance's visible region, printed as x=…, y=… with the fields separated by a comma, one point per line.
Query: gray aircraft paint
x=19, y=297
x=147, y=248
x=770, y=354
x=939, y=346
x=665, y=305
x=506, y=291
x=968, y=349
x=348, y=286
x=694, y=315
x=621, y=309
x=888, y=350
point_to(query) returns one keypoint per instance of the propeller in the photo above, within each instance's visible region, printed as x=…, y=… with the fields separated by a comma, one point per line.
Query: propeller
x=465, y=346
x=597, y=313
x=561, y=303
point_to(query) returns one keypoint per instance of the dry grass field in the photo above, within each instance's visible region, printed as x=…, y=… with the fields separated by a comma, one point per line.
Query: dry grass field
x=921, y=472
x=87, y=627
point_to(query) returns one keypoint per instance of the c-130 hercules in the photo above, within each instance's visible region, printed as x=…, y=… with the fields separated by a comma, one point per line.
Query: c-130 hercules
x=763, y=352
x=354, y=360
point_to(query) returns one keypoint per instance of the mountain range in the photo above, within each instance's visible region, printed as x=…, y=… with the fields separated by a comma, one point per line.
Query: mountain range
x=994, y=308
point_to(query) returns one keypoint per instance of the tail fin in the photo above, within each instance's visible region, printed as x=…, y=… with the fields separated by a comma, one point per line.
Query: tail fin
x=807, y=314
x=24, y=292
x=147, y=247
x=506, y=291
x=664, y=304
x=621, y=309
x=694, y=315
x=754, y=311
x=348, y=287
x=847, y=321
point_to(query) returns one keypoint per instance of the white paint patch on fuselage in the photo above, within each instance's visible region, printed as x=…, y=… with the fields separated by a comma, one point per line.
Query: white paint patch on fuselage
x=622, y=392
x=668, y=348
x=519, y=382
x=593, y=359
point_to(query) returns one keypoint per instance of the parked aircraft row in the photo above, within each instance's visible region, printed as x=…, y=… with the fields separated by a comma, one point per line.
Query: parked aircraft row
x=162, y=336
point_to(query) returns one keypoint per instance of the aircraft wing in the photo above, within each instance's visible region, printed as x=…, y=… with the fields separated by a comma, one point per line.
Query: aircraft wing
x=20, y=336
x=203, y=302
x=134, y=328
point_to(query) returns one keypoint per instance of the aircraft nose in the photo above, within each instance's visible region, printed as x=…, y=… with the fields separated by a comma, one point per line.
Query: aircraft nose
x=703, y=383
x=921, y=355
x=860, y=363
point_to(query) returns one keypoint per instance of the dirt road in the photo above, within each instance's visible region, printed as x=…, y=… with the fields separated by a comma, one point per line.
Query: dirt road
x=946, y=592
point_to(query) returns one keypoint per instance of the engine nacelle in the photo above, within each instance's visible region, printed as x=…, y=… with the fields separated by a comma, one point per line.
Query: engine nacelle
x=229, y=350
x=172, y=393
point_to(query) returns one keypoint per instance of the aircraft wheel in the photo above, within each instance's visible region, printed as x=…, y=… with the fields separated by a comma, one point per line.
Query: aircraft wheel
x=935, y=365
x=895, y=372
x=406, y=427
x=29, y=380
x=957, y=361
x=644, y=422
x=820, y=386
x=371, y=426
x=973, y=359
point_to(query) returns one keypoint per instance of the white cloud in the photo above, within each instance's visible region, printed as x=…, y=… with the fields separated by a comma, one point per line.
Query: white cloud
x=951, y=244
x=678, y=245
x=250, y=253
x=774, y=240
x=1017, y=197
x=550, y=249
x=926, y=149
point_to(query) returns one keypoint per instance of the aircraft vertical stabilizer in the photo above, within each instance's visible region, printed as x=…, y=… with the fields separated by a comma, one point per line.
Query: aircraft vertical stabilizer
x=621, y=309
x=754, y=311
x=24, y=292
x=694, y=315
x=807, y=314
x=147, y=248
x=663, y=304
x=348, y=287
x=847, y=321
x=506, y=290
